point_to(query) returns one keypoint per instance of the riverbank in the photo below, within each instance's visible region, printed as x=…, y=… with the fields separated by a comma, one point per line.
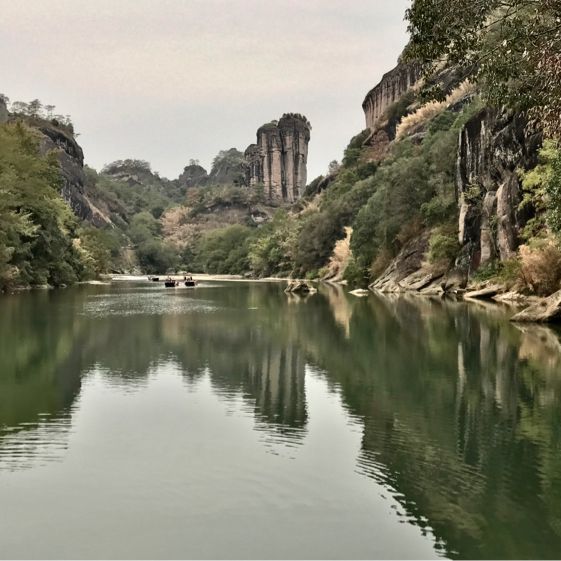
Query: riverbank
x=527, y=308
x=198, y=277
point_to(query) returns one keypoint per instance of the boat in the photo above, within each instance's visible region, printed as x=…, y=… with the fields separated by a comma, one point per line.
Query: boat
x=190, y=283
x=154, y=279
x=171, y=284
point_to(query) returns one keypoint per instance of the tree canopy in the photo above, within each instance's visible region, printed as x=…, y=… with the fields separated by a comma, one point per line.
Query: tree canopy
x=512, y=48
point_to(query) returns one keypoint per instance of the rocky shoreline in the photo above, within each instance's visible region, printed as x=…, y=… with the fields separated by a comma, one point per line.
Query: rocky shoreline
x=528, y=308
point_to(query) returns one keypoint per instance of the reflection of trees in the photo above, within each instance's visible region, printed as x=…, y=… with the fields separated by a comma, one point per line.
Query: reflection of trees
x=47, y=342
x=461, y=418
x=39, y=358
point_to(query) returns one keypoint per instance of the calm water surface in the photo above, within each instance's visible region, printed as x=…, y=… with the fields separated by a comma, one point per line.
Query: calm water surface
x=232, y=421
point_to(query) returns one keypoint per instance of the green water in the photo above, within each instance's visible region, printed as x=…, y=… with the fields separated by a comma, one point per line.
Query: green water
x=232, y=421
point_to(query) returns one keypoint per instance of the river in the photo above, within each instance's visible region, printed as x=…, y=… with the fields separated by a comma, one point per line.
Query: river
x=234, y=421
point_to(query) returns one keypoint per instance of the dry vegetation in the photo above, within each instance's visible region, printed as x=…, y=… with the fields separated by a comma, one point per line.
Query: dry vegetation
x=340, y=258
x=541, y=267
x=417, y=121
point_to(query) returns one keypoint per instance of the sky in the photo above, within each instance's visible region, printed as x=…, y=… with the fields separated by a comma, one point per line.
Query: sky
x=172, y=80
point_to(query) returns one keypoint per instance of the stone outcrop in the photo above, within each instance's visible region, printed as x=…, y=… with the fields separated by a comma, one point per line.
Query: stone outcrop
x=279, y=158
x=300, y=287
x=407, y=272
x=492, y=146
x=60, y=140
x=391, y=88
x=545, y=311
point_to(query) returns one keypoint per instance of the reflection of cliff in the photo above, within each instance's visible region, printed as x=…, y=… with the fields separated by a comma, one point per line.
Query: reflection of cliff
x=278, y=383
x=243, y=355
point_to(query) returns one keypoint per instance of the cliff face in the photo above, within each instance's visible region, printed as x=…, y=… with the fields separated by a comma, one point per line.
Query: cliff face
x=391, y=88
x=71, y=160
x=279, y=158
x=492, y=146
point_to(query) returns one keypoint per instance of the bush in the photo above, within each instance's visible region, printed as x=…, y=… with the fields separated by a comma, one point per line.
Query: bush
x=438, y=210
x=356, y=275
x=36, y=226
x=443, y=247
x=542, y=190
x=354, y=149
x=320, y=231
x=380, y=263
x=155, y=257
x=225, y=251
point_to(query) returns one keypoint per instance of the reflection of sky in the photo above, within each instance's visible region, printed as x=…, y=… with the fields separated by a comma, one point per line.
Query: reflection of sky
x=149, y=302
x=30, y=445
x=187, y=475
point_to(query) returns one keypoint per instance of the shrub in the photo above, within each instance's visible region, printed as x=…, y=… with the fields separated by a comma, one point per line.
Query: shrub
x=542, y=190
x=429, y=113
x=417, y=120
x=443, y=247
x=226, y=251
x=354, y=149
x=380, y=263
x=438, y=210
x=356, y=275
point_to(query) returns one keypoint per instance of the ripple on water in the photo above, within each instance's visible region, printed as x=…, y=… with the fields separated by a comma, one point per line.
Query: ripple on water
x=29, y=445
x=144, y=303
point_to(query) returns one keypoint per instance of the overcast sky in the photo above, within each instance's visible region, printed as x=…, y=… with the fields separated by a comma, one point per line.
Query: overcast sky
x=170, y=80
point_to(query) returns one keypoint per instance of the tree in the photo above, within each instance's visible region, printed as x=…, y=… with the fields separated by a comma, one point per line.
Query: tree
x=20, y=108
x=512, y=48
x=35, y=107
x=36, y=226
x=333, y=167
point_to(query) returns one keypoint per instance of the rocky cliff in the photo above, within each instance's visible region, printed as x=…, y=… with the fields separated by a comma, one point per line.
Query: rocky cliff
x=493, y=145
x=390, y=89
x=279, y=158
x=60, y=140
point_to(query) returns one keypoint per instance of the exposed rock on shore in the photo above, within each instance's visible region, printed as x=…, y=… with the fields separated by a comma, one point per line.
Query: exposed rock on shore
x=545, y=311
x=300, y=287
x=408, y=273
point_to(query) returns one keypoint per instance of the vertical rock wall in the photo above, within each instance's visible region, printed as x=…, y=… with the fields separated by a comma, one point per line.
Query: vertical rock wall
x=391, y=88
x=279, y=158
x=492, y=147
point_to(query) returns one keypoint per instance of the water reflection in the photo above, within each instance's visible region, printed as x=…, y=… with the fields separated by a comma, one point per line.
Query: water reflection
x=460, y=410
